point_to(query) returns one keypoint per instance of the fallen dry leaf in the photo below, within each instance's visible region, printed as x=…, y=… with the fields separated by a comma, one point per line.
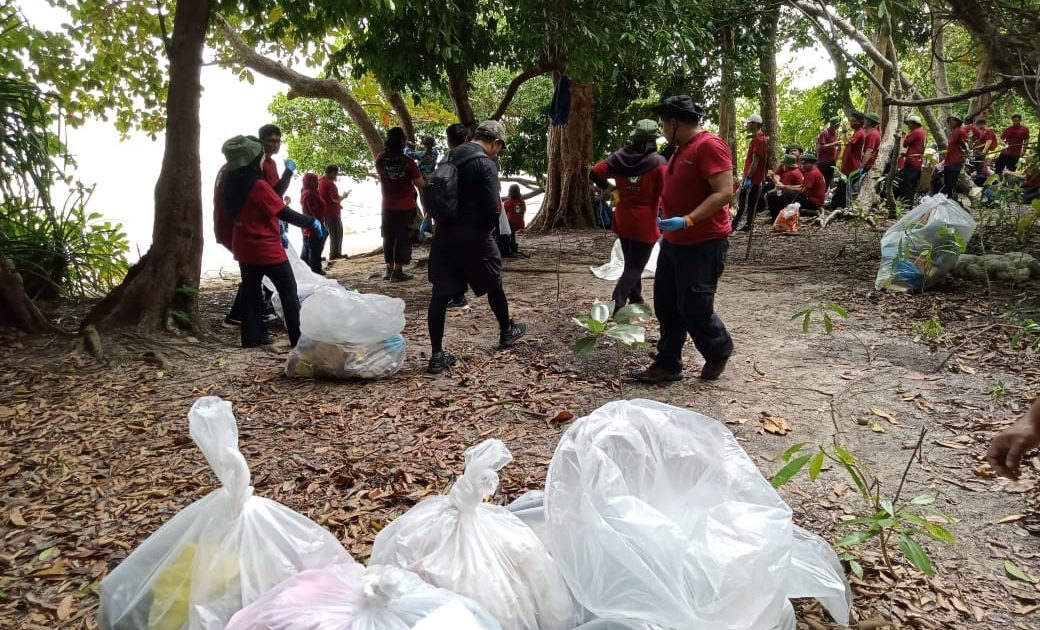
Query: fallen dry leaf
x=884, y=414
x=1011, y=518
x=16, y=517
x=64, y=608
x=562, y=416
x=775, y=425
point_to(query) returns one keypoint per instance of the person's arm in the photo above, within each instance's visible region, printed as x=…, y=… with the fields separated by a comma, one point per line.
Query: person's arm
x=283, y=183
x=721, y=192
x=418, y=182
x=293, y=217
x=486, y=194
x=1008, y=447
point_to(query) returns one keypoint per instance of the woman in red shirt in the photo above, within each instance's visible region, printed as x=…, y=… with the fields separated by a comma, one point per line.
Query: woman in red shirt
x=399, y=179
x=636, y=170
x=313, y=206
x=514, y=206
x=256, y=209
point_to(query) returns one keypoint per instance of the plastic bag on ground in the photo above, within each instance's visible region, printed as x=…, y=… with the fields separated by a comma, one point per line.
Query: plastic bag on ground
x=352, y=597
x=787, y=220
x=321, y=359
x=307, y=282
x=922, y=247
x=656, y=513
x=613, y=268
x=220, y=553
x=479, y=550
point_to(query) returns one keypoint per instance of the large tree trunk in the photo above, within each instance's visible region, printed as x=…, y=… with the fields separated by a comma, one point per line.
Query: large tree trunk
x=728, y=97
x=458, y=87
x=980, y=103
x=875, y=96
x=942, y=81
x=767, y=84
x=161, y=290
x=403, y=113
x=16, y=309
x=568, y=194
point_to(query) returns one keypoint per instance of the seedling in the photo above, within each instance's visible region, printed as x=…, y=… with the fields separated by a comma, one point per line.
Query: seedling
x=621, y=328
x=824, y=310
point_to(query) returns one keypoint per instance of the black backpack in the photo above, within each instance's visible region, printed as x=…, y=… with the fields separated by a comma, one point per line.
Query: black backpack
x=440, y=195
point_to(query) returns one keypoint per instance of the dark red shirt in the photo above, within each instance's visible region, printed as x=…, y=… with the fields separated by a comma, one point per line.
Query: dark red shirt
x=914, y=143
x=223, y=226
x=270, y=172
x=329, y=195
x=635, y=216
x=827, y=155
x=985, y=141
x=686, y=186
x=852, y=156
x=396, y=173
x=257, y=237
x=759, y=147
x=792, y=177
x=957, y=142
x=872, y=141
x=515, y=209
x=310, y=202
x=1015, y=137
x=814, y=186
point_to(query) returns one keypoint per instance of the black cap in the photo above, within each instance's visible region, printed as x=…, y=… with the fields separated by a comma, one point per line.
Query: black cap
x=679, y=107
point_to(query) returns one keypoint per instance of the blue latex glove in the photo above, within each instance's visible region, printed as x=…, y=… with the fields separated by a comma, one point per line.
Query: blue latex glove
x=747, y=183
x=290, y=164
x=395, y=343
x=671, y=225
x=859, y=172
x=319, y=229
x=285, y=241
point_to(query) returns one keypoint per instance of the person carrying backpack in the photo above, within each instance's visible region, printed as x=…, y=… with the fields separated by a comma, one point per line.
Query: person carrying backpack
x=462, y=197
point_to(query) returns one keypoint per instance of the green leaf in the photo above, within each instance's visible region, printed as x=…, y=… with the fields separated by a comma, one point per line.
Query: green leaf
x=790, y=470
x=838, y=309
x=816, y=465
x=801, y=313
x=633, y=314
x=939, y=533
x=805, y=321
x=923, y=499
x=47, y=554
x=791, y=451
x=828, y=325
x=596, y=326
x=626, y=333
x=886, y=505
x=601, y=311
x=860, y=537
x=856, y=568
x=584, y=346
x=916, y=554
x=1014, y=571
x=582, y=321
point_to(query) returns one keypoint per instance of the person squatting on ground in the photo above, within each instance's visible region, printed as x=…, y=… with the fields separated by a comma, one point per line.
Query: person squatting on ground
x=399, y=179
x=515, y=207
x=756, y=163
x=786, y=184
x=911, y=156
x=1014, y=137
x=698, y=184
x=851, y=161
x=463, y=252
x=257, y=211
x=333, y=200
x=1008, y=447
x=827, y=146
x=313, y=240
x=637, y=174
x=773, y=177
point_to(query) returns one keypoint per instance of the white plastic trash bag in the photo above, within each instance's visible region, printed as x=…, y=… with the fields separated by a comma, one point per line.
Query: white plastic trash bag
x=529, y=507
x=479, y=550
x=321, y=359
x=352, y=597
x=923, y=246
x=656, y=513
x=613, y=268
x=307, y=282
x=220, y=553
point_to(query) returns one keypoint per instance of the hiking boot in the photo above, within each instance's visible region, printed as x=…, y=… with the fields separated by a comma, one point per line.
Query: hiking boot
x=712, y=370
x=388, y=273
x=439, y=362
x=400, y=276
x=657, y=374
x=458, y=304
x=511, y=335
x=231, y=322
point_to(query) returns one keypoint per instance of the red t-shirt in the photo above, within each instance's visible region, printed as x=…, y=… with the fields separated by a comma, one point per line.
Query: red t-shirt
x=759, y=147
x=792, y=177
x=635, y=216
x=270, y=172
x=957, y=142
x=872, y=141
x=852, y=157
x=396, y=173
x=329, y=195
x=1015, y=137
x=914, y=143
x=223, y=226
x=827, y=155
x=986, y=140
x=686, y=187
x=515, y=209
x=257, y=238
x=814, y=186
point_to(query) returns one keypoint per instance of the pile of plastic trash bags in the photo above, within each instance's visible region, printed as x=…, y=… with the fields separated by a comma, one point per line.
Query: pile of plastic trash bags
x=652, y=518
x=922, y=247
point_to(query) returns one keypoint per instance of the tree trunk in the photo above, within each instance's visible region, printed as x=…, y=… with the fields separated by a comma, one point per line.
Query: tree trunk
x=568, y=193
x=767, y=84
x=942, y=82
x=875, y=96
x=980, y=103
x=161, y=290
x=458, y=87
x=403, y=113
x=727, y=97
x=16, y=309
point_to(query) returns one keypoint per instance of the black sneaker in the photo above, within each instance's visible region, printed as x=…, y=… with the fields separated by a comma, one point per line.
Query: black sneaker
x=388, y=273
x=511, y=335
x=231, y=322
x=458, y=304
x=400, y=276
x=712, y=370
x=656, y=374
x=439, y=362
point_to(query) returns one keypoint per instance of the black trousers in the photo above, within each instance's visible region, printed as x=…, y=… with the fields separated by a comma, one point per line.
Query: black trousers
x=950, y=175
x=909, y=178
x=684, y=298
x=311, y=252
x=778, y=203
x=629, y=287
x=397, y=241
x=254, y=333
x=749, y=202
x=1009, y=162
x=827, y=168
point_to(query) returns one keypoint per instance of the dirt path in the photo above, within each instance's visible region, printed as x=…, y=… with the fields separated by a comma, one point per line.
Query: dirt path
x=96, y=456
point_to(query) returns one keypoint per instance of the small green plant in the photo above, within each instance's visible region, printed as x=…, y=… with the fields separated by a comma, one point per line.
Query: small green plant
x=999, y=390
x=929, y=330
x=622, y=328
x=889, y=519
x=824, y=310
x=1023, y=321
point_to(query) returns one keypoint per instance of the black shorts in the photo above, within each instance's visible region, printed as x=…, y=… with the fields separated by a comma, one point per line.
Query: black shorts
x=462, y=256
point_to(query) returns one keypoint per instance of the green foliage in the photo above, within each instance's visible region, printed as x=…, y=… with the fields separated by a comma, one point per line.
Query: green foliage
x=824, y=310
x=929, y=330
x=888, y=518
x=622, y=328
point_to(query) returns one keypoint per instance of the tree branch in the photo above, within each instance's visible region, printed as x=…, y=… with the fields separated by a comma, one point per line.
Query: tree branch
x=162, y=28
x=514, y=86
x=1003, y=84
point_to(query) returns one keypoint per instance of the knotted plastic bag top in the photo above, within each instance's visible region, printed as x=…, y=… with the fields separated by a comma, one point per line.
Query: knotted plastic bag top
x=480, y=478
x=213, y=428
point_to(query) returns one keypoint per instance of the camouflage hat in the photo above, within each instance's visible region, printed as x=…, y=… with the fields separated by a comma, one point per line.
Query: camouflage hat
x=808, y=157
x=241, y=150
x=645, y=129
x=871, y=116
x=835, y=120
x=491, y=129
x=790, y=160
x=793, y=145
